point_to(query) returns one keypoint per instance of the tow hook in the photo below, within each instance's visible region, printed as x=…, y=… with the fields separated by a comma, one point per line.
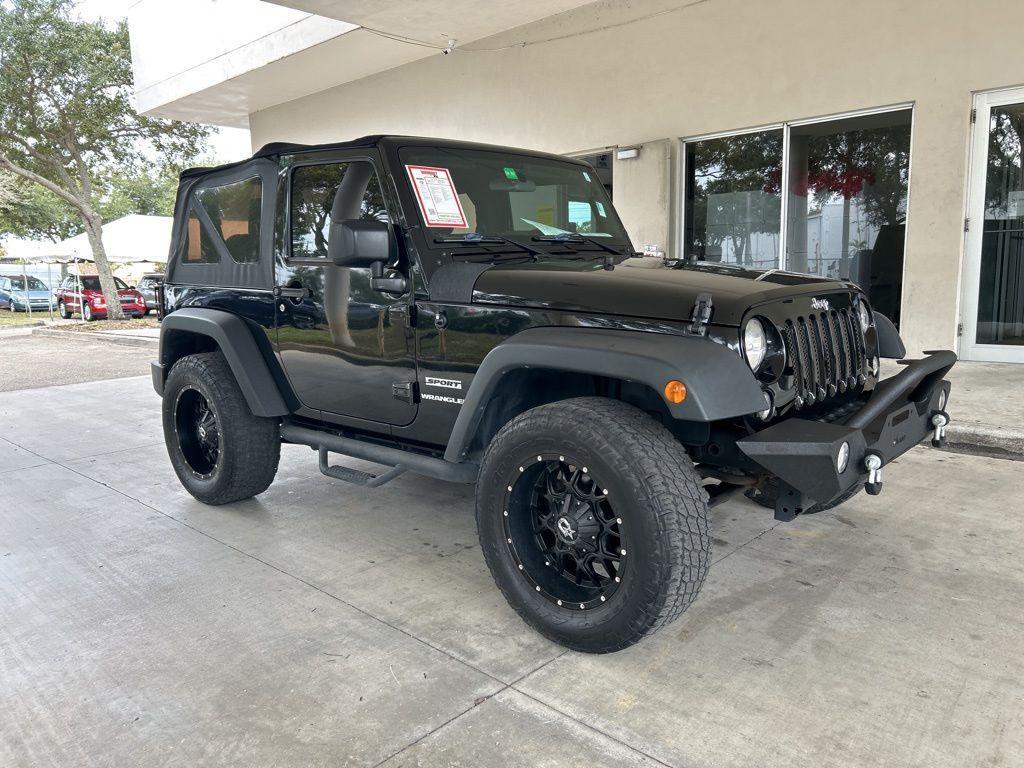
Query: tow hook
x=873, y=464
x=940, y=421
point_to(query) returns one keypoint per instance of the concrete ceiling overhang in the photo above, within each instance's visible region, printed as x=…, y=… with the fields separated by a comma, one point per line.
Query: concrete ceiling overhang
x=338, y=43
x=436, y=21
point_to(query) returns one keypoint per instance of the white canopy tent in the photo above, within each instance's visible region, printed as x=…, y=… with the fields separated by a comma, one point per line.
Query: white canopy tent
x=130, y=239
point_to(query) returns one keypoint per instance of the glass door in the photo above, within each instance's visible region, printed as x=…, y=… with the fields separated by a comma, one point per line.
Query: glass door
x=993, y=305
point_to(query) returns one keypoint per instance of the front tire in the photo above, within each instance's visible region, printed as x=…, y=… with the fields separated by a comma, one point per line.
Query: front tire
x=220, y=451
x=87, y=314
x=62, y=310
x=593, y=522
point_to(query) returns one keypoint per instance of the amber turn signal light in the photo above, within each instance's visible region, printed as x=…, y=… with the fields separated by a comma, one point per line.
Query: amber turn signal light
x=675, y=391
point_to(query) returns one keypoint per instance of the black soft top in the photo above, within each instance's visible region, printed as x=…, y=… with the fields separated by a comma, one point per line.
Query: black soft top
x=277, y=148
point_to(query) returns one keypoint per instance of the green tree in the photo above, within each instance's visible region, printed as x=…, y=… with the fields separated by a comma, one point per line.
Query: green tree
x=66, y=119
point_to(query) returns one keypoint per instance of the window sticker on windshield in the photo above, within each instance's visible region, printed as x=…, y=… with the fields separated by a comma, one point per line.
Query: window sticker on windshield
x=600, y=209
x=586, y=177
x=435, y=192
x=510, y=173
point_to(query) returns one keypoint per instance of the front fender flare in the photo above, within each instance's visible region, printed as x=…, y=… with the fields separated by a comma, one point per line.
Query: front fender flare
x=719, y=384
x=238, y=344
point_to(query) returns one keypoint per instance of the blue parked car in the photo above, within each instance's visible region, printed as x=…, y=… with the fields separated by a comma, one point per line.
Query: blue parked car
x=14, y=297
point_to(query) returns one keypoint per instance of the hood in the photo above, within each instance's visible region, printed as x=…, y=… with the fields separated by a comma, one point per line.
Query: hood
x=642, y=287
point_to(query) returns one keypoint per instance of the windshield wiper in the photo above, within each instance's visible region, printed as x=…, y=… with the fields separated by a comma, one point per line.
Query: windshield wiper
x=576, y=237
x=472, y=238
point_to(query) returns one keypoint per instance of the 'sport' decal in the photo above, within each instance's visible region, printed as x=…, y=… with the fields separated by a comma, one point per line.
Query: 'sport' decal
x=431, y=381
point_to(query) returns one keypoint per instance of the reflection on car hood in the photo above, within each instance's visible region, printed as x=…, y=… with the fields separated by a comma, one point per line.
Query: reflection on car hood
x=642, y=287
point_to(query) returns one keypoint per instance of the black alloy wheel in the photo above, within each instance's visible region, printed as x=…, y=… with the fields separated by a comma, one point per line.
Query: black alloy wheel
x=198, y=432
x=593, y=522
x=220, y=451
x=563, y=533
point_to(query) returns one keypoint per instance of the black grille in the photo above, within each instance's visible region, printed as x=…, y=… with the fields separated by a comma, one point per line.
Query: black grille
x=826, y=353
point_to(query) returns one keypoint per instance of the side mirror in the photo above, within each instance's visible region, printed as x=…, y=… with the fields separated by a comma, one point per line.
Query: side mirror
x=359, y=243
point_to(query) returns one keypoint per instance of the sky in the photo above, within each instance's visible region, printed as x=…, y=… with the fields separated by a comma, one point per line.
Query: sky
x=226, y=144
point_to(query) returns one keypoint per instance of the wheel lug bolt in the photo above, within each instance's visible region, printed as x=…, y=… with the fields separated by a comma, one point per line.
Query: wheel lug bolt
x=584, y=470
x=618, y=520
x=559, y=602
x=520, y=566
x=539, y=459
x=582, y=605
x=521, y=469
x=510, y=487
x=510, y=541
x=602, y=598
x=623, y=551
x=505, y=513
x=538, y=589
x=617, y=579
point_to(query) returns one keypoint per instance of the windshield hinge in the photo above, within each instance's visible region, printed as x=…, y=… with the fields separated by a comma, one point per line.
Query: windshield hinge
x=701, y=313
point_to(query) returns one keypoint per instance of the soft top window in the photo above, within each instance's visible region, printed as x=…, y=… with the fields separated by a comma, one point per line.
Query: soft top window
x=234, y=213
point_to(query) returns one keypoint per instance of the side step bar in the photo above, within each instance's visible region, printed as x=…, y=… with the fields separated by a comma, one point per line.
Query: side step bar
x=398, y=460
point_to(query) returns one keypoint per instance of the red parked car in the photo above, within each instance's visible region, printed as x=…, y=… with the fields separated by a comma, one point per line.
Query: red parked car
x=83, y=294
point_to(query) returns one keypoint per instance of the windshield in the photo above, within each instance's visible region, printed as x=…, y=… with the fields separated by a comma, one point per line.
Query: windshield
x=34, y=284
x=93, y=283
x=494, y=194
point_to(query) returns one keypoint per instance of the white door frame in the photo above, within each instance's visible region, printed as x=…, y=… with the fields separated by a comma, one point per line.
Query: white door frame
x=969, y=349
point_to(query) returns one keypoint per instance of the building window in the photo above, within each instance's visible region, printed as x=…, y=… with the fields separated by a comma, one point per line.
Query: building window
x=847, y=208
x=734, y=199
x=846, y=185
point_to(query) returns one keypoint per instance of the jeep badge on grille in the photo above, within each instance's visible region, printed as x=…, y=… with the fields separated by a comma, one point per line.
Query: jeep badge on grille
x=821, y=304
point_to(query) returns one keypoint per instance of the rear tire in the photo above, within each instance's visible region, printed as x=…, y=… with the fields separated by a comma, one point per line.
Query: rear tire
x=220, y=451
x=592, y=560
x=769, y=492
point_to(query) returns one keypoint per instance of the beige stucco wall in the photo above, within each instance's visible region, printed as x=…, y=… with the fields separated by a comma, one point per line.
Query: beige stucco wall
x=713, y=66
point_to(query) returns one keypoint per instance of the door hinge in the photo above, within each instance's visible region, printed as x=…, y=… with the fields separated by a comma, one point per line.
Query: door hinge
x=406, y=391
x=974, y=116
x=959, y=329
x=967, y=224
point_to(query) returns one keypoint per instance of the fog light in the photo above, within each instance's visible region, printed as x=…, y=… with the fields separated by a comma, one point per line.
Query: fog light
x=675, y=391
x=942, y=400
x=767, y=412
x=843, y=459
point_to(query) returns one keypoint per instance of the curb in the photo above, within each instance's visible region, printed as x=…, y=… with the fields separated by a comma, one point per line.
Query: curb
x=998, y=440
x=126, y=341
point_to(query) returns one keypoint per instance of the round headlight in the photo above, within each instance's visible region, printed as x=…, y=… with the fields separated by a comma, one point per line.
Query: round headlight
x=865, y=316
x=755, y=343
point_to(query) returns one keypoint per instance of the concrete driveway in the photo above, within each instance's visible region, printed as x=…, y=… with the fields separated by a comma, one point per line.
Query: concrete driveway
x=326, y=624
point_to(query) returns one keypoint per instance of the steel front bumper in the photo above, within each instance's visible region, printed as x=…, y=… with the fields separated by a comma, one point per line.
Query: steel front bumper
x=805, y=455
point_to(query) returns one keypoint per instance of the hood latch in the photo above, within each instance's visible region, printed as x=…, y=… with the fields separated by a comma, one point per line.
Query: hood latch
x=701, y=313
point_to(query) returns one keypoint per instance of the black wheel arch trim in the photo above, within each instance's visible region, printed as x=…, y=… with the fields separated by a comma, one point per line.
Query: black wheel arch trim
x=719, y=383
x=248, y=353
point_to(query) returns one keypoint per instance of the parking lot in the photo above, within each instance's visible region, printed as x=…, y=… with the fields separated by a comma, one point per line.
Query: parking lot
x=327, y=624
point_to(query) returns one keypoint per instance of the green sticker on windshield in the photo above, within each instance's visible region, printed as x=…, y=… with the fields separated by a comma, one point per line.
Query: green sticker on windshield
x=510, y=174
x=600, y=209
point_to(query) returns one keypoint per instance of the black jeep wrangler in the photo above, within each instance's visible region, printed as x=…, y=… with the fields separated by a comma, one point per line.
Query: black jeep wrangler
x=478, y=314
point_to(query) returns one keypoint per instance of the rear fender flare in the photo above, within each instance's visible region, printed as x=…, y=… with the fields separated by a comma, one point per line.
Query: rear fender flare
x=719, y=384
x=265, y=393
